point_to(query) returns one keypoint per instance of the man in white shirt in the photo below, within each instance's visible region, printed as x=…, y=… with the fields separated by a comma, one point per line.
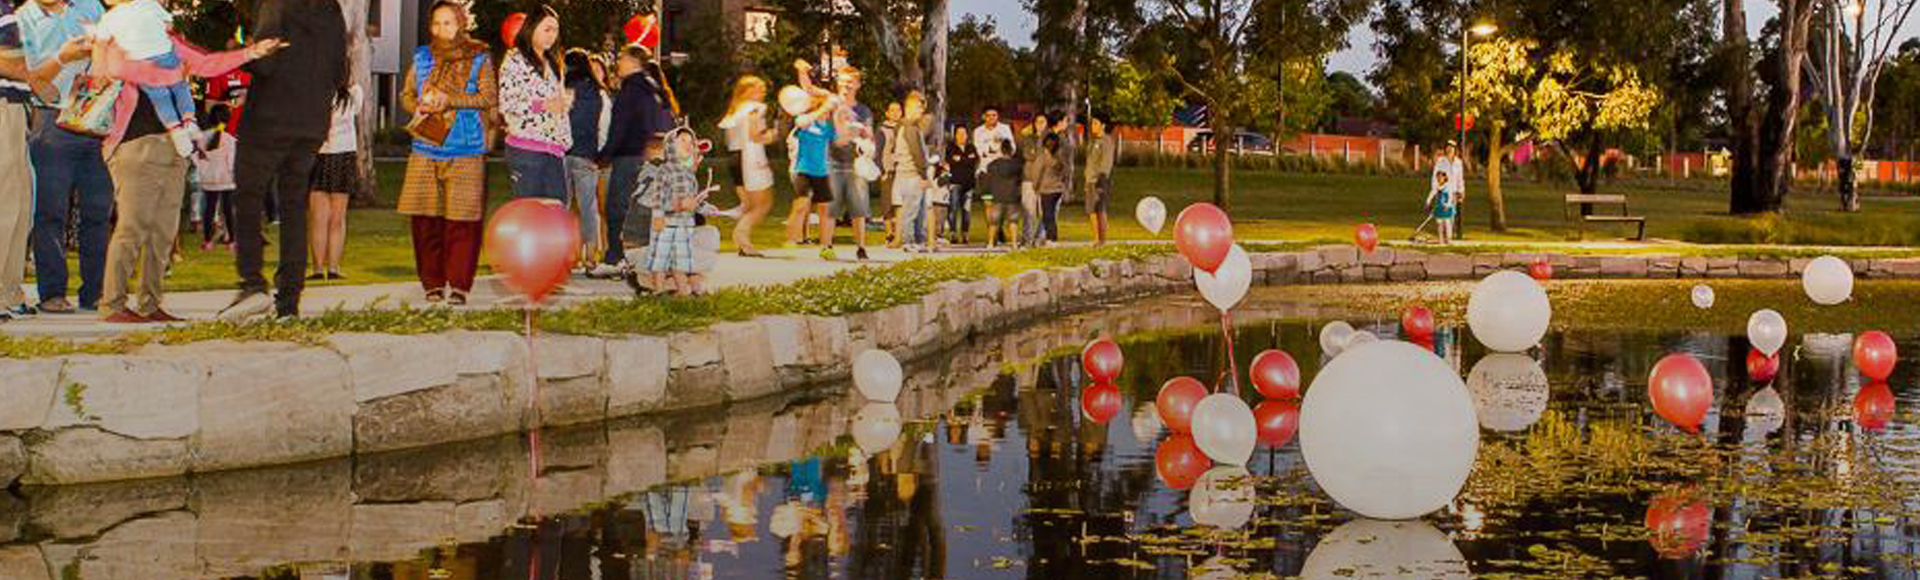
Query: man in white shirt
x=992, y=139
x=1449, y=163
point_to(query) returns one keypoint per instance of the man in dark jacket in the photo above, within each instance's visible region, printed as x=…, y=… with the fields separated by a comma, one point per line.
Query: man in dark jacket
x=642, y=111
x=289, y=107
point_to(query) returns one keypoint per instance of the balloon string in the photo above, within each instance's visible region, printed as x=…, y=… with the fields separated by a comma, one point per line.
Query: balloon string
x=533, y=397
x=1233, y=364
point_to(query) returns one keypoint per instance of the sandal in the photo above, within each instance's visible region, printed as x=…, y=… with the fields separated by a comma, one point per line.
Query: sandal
x=435, y=296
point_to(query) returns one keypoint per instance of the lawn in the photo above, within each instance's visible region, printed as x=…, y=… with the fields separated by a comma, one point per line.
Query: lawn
x=1267, y=205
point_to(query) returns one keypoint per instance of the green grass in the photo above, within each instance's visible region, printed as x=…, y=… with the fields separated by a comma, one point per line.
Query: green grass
x=860, y=290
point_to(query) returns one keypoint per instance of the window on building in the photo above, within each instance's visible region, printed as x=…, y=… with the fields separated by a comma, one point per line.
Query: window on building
x=760, y=25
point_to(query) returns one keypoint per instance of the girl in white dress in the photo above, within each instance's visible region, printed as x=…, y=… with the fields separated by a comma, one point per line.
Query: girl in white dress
x=748, y=134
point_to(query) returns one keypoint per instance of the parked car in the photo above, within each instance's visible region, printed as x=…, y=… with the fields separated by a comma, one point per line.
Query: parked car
x=1245, y=143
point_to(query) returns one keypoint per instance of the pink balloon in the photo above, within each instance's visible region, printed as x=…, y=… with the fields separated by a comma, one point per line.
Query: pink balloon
x=533, y=243
x=1679, y=523
x=1417, y=322
x=1103, y=360
x=1681, y=390
x=1101, y=402
x=1179, y=461
x=1367, y=236
x=1204, y=235
x=1276, y=375
x=1176, y=401
x=1873, y=406
x=1276, y=422
x=1875, y=355
x=1760, y=367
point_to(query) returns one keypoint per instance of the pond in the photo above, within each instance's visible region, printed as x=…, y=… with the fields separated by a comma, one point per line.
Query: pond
x=996, y=472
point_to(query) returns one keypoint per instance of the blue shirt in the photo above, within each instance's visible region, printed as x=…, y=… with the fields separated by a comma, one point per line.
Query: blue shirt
x=814, y=140
x=11, y=90
x=43, y=34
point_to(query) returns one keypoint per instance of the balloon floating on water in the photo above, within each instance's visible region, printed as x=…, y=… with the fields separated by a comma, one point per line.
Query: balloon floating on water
x=1874, y=354
x=878, y=375
x=1227, y=285
x=1204, y=235
x=1827, y=280
x=1509, y=312
x=1152, y=214
x=1333, y=337
x=1176, y=401
x=1223, y=427
x=1388, y=430
x=1760, y=367
x=1417, y=322
x=1681, y=390
x=1103, y=360
x=1767, y=330
x=1276, y=422
x=1275, y=375
x=1179, y=462
x=1702, y=296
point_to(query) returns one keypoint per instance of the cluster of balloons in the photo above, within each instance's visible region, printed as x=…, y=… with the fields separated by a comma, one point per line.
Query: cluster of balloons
x=1276, y=376
x=1222, y=269
x=1389, y=431
x=1509, y=312
x=1103, y=361
x=533, y=243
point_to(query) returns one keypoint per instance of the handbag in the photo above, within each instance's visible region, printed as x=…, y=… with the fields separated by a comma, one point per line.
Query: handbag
x=432, y=128
x=89, y=111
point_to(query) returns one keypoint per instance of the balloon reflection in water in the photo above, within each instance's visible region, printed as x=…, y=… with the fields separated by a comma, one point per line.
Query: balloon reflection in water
x=1766, y=412
x=1277, y=422
x=1760, y=367
x=876, y=428
x=1509, y=391
x=1417, y=323
x=1176, y=402
x=1873, y=406
x=1101, y=402
x=1222, y=498
x=1179, y=462
x=1389, y=431
x=1678, y=523
x=1333, y=337
x=1367, y=549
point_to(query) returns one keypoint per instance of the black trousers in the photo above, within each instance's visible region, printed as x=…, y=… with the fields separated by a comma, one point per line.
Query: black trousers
x=281, y=169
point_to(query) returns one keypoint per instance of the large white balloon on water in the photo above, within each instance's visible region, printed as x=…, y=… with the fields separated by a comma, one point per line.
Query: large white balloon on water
x=1767, y=330
x=1702, y=296
x=1389, y=430
x=1374, y=549
x=1509, y=312
x=1333, y=337
x=1223, y=428
x=1226, y=286
x=878, y=375
x=1152, y=213
x=876, y=427
x=1827, y=280
x=1509, y=391
x=1222, y=498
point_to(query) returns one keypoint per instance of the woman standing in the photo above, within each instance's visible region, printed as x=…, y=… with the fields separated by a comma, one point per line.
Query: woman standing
x=747, y=133
x=536, y=107
x=587, y=121
x=451, y=85
x=963, y=162
x=1051, y=185
x=336, y=175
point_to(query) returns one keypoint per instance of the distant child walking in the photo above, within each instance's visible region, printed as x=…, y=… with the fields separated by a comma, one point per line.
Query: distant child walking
x=213, y=167
x=1442, y=203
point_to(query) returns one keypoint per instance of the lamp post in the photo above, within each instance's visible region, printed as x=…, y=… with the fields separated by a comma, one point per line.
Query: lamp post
x=1466, y=37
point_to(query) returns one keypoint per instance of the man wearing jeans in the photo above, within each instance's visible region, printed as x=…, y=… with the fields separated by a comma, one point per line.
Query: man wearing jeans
x=906, y=159
x=67, y=167
x=16, y=194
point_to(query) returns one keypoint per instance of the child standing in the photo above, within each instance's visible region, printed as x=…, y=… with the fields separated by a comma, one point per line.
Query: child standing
x=672, y=193
x=1442, y=202
x=140, y=28
x=213, y=170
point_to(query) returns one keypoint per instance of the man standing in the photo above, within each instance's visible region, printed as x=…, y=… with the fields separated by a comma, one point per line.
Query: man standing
x=16, y=201
x=1456, y=183
x=289, y=110
x=849, y=190
x=67, y=166
x=1100, y=176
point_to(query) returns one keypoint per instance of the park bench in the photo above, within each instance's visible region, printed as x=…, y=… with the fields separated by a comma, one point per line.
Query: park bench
x=1587, y=215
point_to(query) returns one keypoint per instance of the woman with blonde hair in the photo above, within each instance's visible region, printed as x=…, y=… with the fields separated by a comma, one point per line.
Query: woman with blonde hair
x=748, y=134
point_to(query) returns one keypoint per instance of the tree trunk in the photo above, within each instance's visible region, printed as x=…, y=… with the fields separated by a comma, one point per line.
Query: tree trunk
x=1222, y=161
x=1849, y=195
x=360, y=56
x=1745, y=191
x=1496, y=201
x=1588, y=177
x=933, y=52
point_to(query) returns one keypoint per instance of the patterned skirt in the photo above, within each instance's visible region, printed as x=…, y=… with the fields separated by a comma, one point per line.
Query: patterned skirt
x=671, y=250
x=455, y=189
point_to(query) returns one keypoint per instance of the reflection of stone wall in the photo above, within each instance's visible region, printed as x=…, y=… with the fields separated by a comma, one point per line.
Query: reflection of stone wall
x=205, y=407
x=391, y=505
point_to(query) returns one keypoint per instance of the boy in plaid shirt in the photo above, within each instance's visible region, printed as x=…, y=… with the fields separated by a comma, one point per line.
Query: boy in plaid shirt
x=672, y=193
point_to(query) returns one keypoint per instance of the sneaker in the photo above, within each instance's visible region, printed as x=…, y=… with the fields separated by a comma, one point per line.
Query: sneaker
x=336, y=276
x=56, y=306
x=316, y=276
x=860, y=254
x=124, y=317
x=25, y=311
x=6, y=316
x=605, y=271
x=247, y=306
x=159, y=315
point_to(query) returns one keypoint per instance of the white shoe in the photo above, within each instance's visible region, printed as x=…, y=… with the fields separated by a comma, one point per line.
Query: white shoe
x=248, y=306
x=605, y=271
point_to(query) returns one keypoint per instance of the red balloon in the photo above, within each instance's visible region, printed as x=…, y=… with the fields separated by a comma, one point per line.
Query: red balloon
x=1417, y=322
x=1275, y=422
x=1176, y=401
x=1873, y=406
x=643, y=30
x=1541, y=270
x=1204, y=235
x=1101, y=402
x=1678, y=524
x=533, y=242
x=1681, y=390
x=1367, y=236
x=1179, y=462
x=1760, y=367
x=510, y=28
x=1276, y=375
x=1875, y=354
x=1103, y=360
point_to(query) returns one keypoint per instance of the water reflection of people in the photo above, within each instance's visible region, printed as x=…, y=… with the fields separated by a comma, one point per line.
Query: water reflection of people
x=902, y=510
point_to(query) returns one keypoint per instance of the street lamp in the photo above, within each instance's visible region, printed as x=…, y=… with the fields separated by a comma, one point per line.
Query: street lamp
x=1466, y=34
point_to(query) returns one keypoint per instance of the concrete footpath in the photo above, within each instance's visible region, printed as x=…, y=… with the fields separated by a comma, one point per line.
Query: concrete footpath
x=781, y=267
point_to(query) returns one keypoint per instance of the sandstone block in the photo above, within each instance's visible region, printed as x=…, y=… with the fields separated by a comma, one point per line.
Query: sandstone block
x=637, y=369
x=481, y=353
x=254, y=519
x=13, y=460
x=88, y=454
x=1378, y=257
x=1623, y=267
x=749, y=359
x=272, y=404
x=474, y=406
x=384, y=365
x=692, y=349
x=138, y=397
x=561, y=356
x=397, y=531
x=27, y=393
x=71, y=512
x=1449, y=267
x=636, y=458
x=1763, y=268
x=23, y=562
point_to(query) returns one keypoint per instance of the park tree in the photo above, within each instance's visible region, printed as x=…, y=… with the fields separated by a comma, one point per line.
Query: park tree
x=1897, y=105
x=982, y=67
x=1856, y=39
x=1132, y=94
x=1412, y=71
x=1292, y=34
x=1346, y=97
x=1205, y=46
x=1761, y=132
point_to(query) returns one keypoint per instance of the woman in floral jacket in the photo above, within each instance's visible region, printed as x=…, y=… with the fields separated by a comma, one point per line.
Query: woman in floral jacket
x=536, y=104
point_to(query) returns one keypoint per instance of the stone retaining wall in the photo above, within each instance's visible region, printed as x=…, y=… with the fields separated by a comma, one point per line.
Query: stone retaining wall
x=171, y=410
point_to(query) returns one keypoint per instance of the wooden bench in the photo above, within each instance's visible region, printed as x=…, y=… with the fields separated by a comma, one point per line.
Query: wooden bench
x=1587, y=215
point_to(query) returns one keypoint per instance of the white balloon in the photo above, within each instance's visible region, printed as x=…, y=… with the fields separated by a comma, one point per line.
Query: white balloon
x=1152, y=213
x=1366, y=549
x=878, y=375
x=1227, y=285
x=1359, y=337
x=1509, y=391
x=1146, y=424
x=1702, y=296
x=1827, y=280
x=1388, y=430
x=1766, y=411
x=1333, y=337
x=876, y=427
x=1509, y=312
x=1767, y=330
x=1223, y=429
x=794, y=100
x=1222, y=498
